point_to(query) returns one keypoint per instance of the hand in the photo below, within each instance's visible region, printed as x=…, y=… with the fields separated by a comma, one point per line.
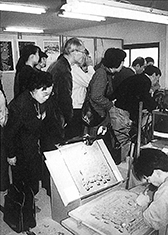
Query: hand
x=43, y=115
x=155, y=87
x=3, y=116
x=12, y=161
x=145, y=111
x=143, y=200
x=102, y=130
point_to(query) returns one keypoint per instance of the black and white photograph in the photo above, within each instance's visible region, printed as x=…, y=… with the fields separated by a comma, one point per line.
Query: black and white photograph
x=84, y=117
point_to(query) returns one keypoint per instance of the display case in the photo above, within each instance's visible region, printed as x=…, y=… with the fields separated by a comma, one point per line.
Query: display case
x=87, y=192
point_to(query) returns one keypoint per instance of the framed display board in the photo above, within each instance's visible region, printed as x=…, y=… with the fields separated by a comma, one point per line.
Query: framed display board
x=52, y=48
x=102, y=44
x=79, y=170
x=115, y=212
x=6, y=56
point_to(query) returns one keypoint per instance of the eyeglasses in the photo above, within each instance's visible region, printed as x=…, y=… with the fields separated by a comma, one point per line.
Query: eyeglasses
x=79, y=51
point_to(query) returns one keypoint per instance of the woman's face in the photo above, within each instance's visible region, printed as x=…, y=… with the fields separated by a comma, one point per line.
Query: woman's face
x=41, y=94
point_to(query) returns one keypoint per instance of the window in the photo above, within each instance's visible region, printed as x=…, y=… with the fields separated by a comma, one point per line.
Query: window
x=143, y=50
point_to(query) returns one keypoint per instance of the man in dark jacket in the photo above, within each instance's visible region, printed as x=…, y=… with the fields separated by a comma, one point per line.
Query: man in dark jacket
x=137, y=67
x=138, y=88
x=73, y=52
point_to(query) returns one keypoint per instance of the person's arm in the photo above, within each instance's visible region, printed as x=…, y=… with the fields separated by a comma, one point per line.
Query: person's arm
x=64, y=95
x=145, y=96
x=98, y=89
x=11, y=129
x=3, y=109
x=156, y=215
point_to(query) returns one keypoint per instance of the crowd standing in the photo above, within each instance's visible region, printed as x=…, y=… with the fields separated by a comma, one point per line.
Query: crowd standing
x=47, y=110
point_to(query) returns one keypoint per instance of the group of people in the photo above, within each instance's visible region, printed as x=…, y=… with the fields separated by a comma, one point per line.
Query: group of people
x=47, y=106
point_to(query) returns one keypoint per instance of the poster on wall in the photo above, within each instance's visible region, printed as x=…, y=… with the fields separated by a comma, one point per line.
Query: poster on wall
x=52, y=49
x=21, y=44
x=102, y=44
x=6, y=56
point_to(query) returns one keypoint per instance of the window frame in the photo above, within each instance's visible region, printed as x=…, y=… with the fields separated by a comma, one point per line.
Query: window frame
x=141, y=46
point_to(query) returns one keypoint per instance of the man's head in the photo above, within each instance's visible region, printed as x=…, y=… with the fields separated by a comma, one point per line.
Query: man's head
x=153, y=73
x=151, y=166
x=114, y=59
x=74, y=51
x=149, y=61
x=139, y=64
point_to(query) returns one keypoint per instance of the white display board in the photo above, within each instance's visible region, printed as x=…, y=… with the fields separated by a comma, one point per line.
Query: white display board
x=79, y=170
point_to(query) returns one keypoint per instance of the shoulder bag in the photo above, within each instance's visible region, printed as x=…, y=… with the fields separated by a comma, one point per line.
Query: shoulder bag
x=19, y=208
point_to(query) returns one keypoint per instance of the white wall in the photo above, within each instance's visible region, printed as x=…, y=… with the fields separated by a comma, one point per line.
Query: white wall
x=134, y=32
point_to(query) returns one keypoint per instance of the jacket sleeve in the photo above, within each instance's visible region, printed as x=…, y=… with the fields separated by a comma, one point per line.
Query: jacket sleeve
x=63, y=91
x=148, y=101
x=11, y=130
x=98, y=88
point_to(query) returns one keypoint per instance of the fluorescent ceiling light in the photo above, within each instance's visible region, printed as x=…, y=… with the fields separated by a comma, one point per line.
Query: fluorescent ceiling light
x=23, y=30
x=117, y=10
x=22, y=8
x=81, y=16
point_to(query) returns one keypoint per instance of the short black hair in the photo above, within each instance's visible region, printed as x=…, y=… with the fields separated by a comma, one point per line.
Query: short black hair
x=150, y=159
x=40, y=79
x=42, y=54
x=139, y=60
x=113, y=57
x=26, y=51
x=149, y=59
x=151, y=69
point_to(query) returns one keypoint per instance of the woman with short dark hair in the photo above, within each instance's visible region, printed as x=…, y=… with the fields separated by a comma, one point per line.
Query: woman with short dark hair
x=23, y=130
x=29, y=57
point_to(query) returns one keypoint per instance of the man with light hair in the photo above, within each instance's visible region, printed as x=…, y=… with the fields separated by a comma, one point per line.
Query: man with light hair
x=73, y=53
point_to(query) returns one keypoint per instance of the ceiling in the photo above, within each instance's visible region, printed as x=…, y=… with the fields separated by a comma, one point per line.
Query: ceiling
x=53, y=24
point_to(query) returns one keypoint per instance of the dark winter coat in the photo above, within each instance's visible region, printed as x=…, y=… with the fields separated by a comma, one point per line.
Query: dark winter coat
x=61, y=72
